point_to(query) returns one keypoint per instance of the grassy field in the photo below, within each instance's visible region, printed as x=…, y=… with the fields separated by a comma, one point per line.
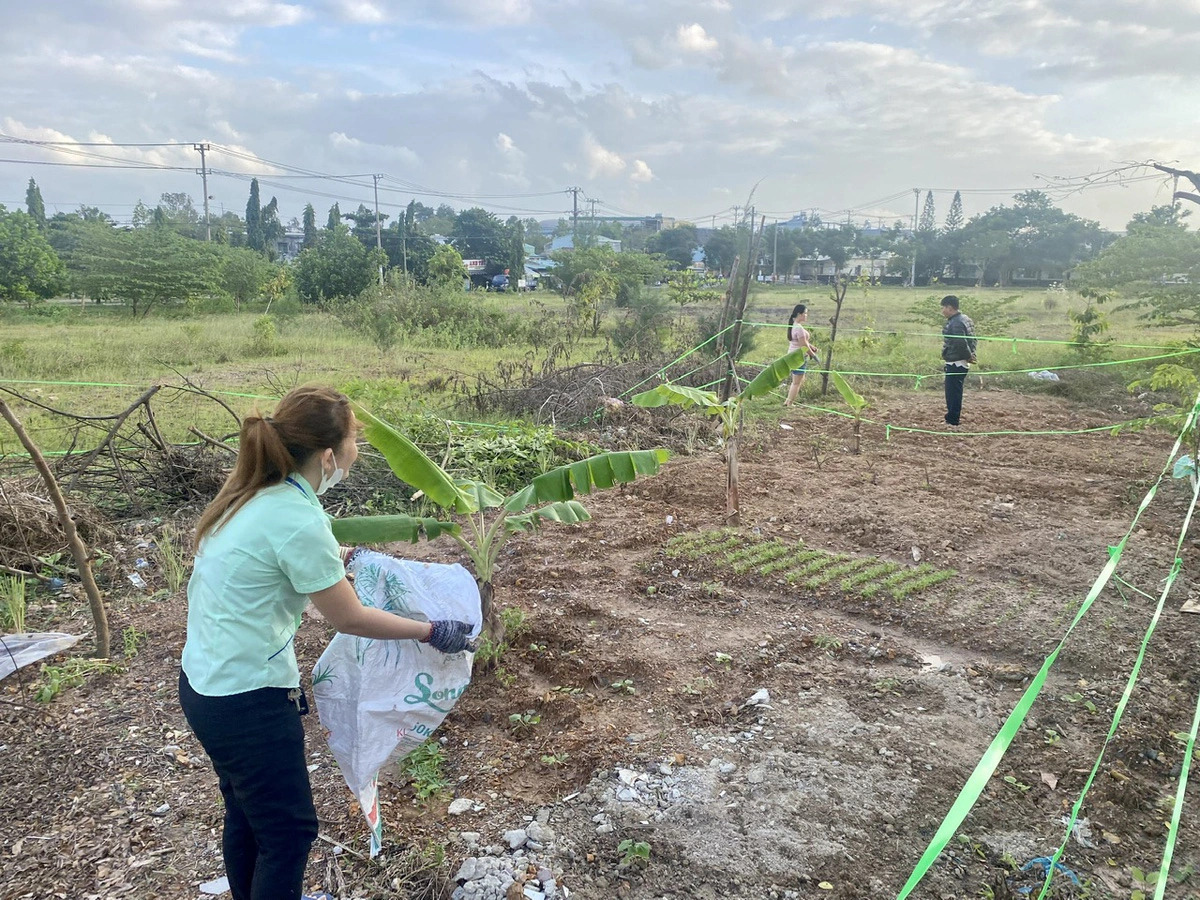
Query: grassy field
x=98, y=346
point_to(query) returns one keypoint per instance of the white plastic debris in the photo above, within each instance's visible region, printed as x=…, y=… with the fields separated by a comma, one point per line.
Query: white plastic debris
x=214, y=888
x=19, y=650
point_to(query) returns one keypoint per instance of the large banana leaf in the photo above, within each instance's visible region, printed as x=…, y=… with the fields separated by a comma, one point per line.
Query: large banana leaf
x=389, y=529
x=774, y=374
x=484, y=496
x=679, y=395
x=853, y=399
x=411, y=465
x=594, y=473
x=566, y=513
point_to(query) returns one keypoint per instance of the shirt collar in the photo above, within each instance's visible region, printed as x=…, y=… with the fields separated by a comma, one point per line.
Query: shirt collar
x=297, y=482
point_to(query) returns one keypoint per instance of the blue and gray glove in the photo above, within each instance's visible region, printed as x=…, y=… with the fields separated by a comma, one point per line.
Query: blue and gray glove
x=449, y=636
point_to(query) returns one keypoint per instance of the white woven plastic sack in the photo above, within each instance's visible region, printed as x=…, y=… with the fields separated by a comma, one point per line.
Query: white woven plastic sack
x=380, y=700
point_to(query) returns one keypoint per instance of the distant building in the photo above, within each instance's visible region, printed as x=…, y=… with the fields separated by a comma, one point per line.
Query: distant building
x=289, y=246
x=567, y=242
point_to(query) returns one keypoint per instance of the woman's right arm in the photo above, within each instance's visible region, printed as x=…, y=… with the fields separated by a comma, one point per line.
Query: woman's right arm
x=341, y=608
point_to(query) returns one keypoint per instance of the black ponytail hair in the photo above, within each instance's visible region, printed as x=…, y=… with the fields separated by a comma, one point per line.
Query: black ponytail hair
x=800, y=310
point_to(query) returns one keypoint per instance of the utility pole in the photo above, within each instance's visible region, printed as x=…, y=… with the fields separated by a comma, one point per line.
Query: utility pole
x=912, y=282
x=775, y=255
x=574, y=213
x=203, y=148
x=378, y=233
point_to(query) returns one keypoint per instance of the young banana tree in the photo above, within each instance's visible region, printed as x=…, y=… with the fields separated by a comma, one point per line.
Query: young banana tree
x=488, y=517
x=729, y=412
x=857, y=404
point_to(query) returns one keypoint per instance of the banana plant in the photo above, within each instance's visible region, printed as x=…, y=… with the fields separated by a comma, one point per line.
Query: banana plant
x=488, y=517
x=857, y=404
x=728, y=412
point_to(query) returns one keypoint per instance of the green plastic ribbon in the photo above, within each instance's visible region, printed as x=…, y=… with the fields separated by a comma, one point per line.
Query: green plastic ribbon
x=987, y=764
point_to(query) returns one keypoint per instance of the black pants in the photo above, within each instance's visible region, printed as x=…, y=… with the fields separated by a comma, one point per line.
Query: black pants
x=256, y=744
x=956, y=377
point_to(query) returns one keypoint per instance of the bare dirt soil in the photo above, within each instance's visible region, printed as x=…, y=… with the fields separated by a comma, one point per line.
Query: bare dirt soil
x=639, y=658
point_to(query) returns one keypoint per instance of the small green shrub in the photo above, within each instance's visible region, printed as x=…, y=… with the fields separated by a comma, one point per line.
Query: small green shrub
x=72, y=673
x=425, y=766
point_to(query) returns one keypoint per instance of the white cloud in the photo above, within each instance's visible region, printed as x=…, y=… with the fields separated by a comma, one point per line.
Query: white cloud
x=361, y=12
x=641, y=172
x=505, y=143
x=694, y=39
x=601, y=161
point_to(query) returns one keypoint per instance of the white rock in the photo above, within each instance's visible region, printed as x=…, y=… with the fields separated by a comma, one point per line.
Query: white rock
x=461, y=805
x=516, y=838
x=761, y=697
x=213, y=888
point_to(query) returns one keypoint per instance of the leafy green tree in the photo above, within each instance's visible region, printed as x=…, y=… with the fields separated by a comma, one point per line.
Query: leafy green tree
x=928, y=220
x=1155, y=266
x=34, y=204
x=478, y=234
x=146, y=267
x=244, y=274
x=363, y=224
x=254, y=225
x=441, y=222
x=338, y=267
x=29, y=268
x=446, y=266
x=954, y=218
x=676, y=244
x=142, y=215
x=272, y=228
x=1032, y=234
x=310, y=227
x=177, y=211
x=334, y=220
x=721, y=248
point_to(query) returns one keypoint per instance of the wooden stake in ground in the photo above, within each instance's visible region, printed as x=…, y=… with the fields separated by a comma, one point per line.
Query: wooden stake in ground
x=78, y=549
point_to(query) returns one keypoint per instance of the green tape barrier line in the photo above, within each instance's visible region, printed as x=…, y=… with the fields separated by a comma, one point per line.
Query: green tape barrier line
x=1173, y=828
x=888, y=428
x=1128, y=692
x=992, y=373
x=986, y=766
x=978, y=337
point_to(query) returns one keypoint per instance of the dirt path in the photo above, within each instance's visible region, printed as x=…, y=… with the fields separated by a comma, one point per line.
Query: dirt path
x=641, y=651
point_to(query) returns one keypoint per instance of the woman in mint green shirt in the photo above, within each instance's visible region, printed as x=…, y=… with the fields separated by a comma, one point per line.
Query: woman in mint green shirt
x=264, y=549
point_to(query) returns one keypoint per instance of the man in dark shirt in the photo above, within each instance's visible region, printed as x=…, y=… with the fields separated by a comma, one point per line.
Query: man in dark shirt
x=958, y=352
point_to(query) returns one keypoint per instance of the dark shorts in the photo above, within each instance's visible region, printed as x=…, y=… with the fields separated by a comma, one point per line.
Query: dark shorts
x=801, y=370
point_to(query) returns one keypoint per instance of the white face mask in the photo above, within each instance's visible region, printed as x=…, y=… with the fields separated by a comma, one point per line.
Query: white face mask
x=328, y=481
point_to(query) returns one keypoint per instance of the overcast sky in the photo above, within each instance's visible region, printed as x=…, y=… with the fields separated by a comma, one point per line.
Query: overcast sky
x=659, y=106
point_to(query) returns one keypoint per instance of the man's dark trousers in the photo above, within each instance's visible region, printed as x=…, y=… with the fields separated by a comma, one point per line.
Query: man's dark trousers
x=956, y=376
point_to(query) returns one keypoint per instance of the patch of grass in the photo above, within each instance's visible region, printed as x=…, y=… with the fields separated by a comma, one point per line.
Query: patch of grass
x=922, y=583
x=764, y=554
x=71, y=673
x=425, y=766
x=12, y=603
x=832, y=574
x=172, y=559
x=813, y=566
x=868, y=574
x=788, y=562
